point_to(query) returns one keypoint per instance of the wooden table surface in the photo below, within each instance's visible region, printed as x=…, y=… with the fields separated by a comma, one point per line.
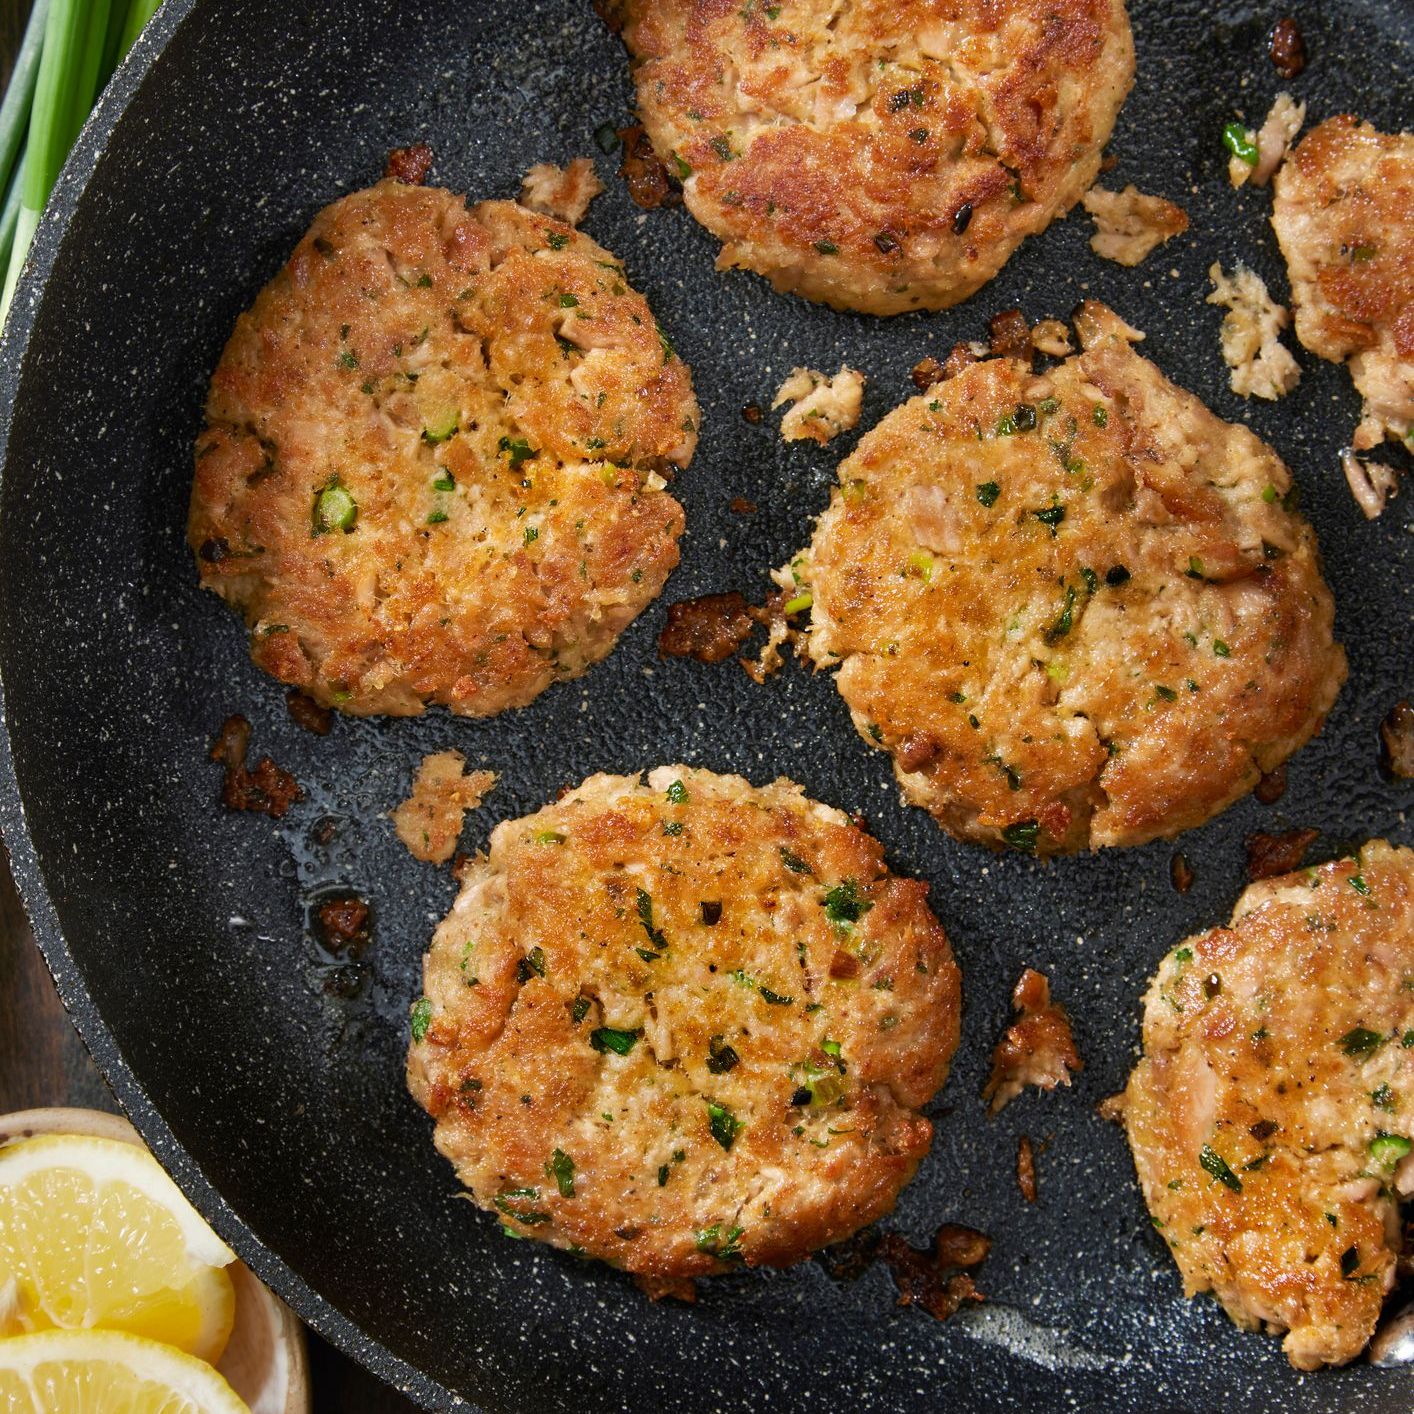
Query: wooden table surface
x=43, y=1062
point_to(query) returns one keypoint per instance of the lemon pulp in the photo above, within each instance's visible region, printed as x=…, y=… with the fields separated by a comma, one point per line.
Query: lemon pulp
x=94, y=1234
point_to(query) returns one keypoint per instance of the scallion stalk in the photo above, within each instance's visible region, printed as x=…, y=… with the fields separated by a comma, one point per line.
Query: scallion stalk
x=74, y=33
x=19, y=95
x=139, y=12
x=84, y=79
x=10, y=213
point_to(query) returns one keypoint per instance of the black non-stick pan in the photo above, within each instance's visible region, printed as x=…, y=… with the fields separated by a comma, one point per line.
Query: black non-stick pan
x=266, y=1074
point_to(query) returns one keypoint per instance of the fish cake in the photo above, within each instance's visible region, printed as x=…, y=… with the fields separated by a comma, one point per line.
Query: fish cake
x=685, y=1023
x=434, y=459
x=1343, y=211
x=1270, y=1116
x=1072, y=605
x=881, y=156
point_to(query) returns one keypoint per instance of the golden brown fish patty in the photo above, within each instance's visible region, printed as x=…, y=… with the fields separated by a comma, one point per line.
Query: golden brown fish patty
x=431, y=466
x=885, y=155
x=685, y=1023
x=1272, y=1112
x=1071, y=604
x=1343, y=210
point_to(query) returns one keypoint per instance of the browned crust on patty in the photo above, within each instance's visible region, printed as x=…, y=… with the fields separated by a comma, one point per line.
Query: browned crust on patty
x=497, y=402
x=1283, y=1047
x=1343, y=211
x=1037, y=1049
x=872, y=155
x=1115, y=647
x=696, y=919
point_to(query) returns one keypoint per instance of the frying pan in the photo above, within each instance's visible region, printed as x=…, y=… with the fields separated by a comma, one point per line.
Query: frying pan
x=266, y=1075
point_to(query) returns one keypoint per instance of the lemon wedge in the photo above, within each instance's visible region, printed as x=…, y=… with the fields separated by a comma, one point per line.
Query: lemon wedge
x=107, y=1372
x=94, y=1235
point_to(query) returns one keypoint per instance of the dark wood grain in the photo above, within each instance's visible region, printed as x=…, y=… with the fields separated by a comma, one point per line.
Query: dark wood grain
x=42, y=1060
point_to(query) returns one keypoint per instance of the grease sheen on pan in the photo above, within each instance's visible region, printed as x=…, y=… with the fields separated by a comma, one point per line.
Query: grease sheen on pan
x=431, y=470
x=1272, y=1112
x=879, y=155
x=685, y=1023
x=1072, y=605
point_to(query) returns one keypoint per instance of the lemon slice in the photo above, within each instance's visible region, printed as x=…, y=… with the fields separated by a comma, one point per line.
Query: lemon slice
x=107, y=1372
x=94, y=1234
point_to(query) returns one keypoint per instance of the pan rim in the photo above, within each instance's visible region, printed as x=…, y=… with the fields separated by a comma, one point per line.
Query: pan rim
x=35, y=867
x=316, y=1311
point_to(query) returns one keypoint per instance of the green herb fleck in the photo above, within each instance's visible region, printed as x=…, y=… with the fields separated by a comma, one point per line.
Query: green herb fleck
x=645, y=917
x=334, y=509
x=1216, y=1165
x=1023, y=835
x=725, y=1126
x=711, y=1241
x=1361, y=1043
x=607, y=1038
x=1238, y=140
x=1388, y=1149
x=531, y=965
x=560, y=1167
x=421, y=1017
x=844, y=903
x=517, y=448
x=721, y=1058
x=507, y=1203
x=1066, y=619
x=987, y=492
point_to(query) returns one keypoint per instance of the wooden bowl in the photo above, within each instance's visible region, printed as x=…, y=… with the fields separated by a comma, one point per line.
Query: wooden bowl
x=265, y=1359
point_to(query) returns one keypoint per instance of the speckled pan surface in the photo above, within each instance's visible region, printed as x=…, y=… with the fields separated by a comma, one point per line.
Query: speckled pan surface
x=179, y=933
